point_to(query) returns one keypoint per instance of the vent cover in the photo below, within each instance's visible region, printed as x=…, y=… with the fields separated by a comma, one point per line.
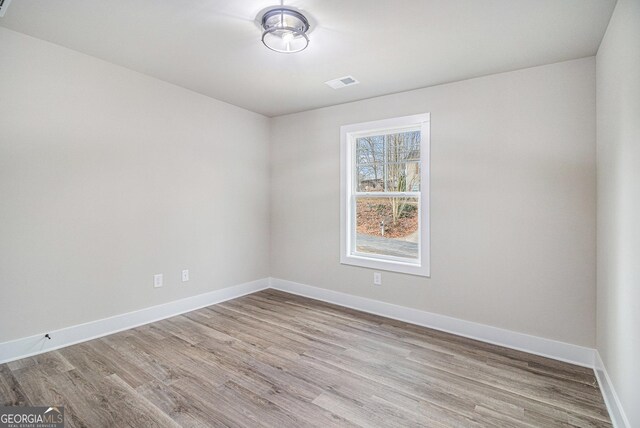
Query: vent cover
x=4, y=4
x=342, y=82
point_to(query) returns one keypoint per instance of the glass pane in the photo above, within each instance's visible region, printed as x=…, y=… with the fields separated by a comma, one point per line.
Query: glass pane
x=370, y=150
x=370, y=178
x=403, y=177
x=387, y=226
x=403, y=146
x=388, y=162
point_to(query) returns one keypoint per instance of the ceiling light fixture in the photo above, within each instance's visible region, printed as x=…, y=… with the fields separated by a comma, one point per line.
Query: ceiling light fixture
x=285, y=30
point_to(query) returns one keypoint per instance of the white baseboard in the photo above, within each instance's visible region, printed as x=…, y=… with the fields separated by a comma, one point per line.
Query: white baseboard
x=38, y=344
x=614, y=406
x=583, y=356
x=567, y=352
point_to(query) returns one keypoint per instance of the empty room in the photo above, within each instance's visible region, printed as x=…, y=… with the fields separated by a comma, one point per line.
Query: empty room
x=320, y=213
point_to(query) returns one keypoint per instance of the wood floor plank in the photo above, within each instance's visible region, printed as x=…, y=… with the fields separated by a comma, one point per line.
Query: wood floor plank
x=97, y=357
x=274, y=359
x=435, y=340
x=542, y=378
x=422, y=381
x=132, y=409
x=182, y=410
x=11, y=393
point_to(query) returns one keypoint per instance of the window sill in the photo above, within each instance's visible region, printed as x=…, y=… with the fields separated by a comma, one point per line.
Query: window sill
x=386, y=265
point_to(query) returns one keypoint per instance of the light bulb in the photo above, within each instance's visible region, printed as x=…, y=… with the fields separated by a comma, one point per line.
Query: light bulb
x=287, y=38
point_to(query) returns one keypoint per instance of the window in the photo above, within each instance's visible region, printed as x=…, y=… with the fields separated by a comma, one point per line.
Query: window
x=385, y=194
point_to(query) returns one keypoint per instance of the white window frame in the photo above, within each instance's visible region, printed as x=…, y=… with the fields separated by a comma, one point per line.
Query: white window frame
x=348, y=254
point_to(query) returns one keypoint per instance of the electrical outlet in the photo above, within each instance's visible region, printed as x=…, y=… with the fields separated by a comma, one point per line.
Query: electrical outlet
x=185, y=275
x=377, y=278
x=157, y=280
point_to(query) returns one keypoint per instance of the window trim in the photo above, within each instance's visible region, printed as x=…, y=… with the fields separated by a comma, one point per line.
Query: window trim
x=348, y=256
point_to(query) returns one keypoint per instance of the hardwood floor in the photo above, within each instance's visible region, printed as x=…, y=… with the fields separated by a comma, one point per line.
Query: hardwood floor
x=279, y=360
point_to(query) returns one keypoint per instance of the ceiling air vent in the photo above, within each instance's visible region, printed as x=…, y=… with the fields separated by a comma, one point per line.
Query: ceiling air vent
x=4, y=4
x=342, y=82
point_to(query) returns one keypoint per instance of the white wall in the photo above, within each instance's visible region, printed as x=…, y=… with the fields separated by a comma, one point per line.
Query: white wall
x=107, y=177
x=513, y=200
x=618, y=94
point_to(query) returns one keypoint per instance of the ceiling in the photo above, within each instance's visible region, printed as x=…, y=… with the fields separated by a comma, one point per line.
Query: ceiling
x=213, y=46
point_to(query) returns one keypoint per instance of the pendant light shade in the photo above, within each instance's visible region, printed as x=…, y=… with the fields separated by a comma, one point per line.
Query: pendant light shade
x=285, y=30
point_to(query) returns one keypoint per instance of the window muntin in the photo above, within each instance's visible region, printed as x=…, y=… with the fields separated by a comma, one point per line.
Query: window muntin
x=384, y=216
